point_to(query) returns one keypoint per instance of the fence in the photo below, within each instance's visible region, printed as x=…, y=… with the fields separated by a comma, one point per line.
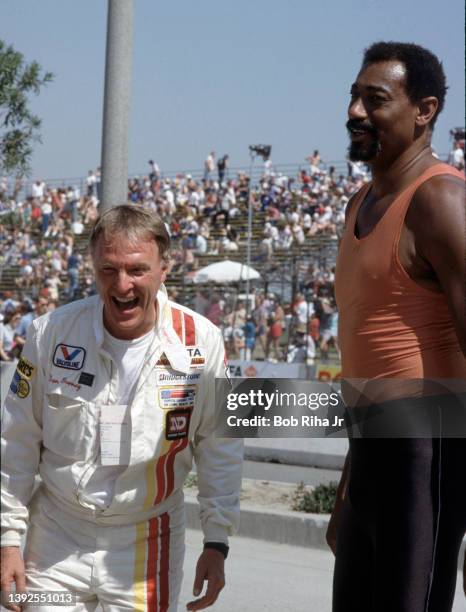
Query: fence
x=291, y=170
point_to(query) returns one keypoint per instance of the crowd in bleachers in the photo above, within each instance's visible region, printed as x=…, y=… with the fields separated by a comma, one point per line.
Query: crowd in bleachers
x=43, y=236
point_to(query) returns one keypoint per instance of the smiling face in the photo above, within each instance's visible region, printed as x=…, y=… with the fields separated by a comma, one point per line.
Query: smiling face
x=382, y=118
x=128, y=276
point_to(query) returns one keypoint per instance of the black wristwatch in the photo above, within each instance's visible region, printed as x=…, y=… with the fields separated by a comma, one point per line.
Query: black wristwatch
x=223, y=548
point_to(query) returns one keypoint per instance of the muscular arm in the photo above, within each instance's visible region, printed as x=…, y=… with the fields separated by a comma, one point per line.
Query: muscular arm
x=437, y=217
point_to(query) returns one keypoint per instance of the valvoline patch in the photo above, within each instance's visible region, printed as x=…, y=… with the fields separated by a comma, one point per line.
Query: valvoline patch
x=69, y=357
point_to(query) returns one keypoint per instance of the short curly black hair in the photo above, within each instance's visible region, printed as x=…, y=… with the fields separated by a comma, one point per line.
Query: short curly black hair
x=424, y=71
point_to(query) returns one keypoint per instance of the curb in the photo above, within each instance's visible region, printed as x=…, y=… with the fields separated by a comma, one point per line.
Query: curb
x=326, y=461
x=326, y=453
x=280, y=526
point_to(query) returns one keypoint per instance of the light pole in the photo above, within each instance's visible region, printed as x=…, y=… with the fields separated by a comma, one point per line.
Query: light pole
x=117, y=95
x=248, y=244
x=264, y=151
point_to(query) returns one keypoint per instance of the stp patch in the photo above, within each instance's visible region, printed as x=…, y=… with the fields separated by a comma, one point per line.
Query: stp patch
x=20, y=386
x=25, y=368
x=69, y=357
x=177, y=424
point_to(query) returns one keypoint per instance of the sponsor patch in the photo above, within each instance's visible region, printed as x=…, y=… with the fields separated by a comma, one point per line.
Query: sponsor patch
x=69, y=357
x=197, y=362
x=196, y=353
x=86, y=379
x=162, y=362
x=170, y=377
x=25, y=368
x=177, y=424
x=177, y=397
x=23, y=388
x=19, y=386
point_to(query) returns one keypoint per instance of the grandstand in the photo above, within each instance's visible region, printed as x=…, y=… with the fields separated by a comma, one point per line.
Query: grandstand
x=298, y=216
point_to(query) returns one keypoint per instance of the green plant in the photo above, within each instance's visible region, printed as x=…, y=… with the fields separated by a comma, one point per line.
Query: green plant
x=191, y=481
x=19, y=127
x=319, y=500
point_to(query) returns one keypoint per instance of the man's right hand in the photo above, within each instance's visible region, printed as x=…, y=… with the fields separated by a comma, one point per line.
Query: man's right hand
x=12, y=571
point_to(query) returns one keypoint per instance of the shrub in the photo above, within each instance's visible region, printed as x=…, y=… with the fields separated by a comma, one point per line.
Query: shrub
x=319, y=500
x=191, y=481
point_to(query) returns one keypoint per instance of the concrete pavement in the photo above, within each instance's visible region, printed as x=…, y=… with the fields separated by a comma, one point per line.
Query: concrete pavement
x=269, y=577
x=264, y=576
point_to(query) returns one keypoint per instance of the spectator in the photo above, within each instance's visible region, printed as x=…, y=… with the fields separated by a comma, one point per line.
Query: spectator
x=46, y=210
x=8, y=322
x=303, y=350
x=314, y=162
x=154, y=171
x=275, y=331
x=222, y=167
x=303, y=311
x=249, y=339
x=73, y=268
x=91, y=181
x=209, y=166
x=456, y=157
x=30, y=312
x=329, y=328
x=53, y=283
x=214, y=311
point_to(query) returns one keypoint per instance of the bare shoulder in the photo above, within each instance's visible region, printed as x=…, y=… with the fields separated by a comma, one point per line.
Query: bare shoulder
x=439, y=193
x=438, y=206
x=351, y=202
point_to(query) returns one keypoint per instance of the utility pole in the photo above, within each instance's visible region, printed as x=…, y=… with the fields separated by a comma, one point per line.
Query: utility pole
x=117, y=95
x=249, y=242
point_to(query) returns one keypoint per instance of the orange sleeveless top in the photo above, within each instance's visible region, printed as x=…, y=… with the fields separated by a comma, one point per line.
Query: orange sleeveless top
x=389, y=326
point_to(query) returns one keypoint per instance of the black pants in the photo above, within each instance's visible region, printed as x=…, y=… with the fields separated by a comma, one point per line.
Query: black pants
x=403, y=521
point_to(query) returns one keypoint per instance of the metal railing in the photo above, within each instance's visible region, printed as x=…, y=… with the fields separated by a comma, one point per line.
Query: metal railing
x=291, y=170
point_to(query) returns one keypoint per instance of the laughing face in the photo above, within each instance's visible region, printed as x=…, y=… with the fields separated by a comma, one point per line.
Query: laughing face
x=128, y=276
x=381, y=116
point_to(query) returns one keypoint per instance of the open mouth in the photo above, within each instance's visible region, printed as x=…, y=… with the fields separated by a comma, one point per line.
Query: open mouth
x=358, y=134
x=359, y=130
x=125, y=304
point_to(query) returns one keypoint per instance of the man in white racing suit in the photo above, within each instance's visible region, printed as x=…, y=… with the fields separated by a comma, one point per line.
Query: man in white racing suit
x=112, y=398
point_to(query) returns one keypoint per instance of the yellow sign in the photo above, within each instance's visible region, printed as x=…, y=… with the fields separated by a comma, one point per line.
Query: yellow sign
x=326, y=372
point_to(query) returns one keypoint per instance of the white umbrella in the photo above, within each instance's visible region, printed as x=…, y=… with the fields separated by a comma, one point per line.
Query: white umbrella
x=225, y=272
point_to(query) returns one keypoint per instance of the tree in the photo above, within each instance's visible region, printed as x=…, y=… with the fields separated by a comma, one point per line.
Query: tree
x=20, y=128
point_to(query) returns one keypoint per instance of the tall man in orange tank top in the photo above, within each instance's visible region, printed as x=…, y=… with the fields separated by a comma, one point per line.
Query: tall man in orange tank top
x=400, y=514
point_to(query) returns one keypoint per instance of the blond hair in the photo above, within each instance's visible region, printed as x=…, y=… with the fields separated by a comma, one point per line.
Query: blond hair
x=134, y=222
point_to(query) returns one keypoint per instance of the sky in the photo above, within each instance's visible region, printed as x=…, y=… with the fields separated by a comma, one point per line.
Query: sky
x=211, y=75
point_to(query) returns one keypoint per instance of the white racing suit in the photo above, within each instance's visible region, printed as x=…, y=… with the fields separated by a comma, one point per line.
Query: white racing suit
x=128, y=555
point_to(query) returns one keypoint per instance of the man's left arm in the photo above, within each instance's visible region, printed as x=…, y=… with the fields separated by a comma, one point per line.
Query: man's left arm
x=219, y=465
x=441, y=241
